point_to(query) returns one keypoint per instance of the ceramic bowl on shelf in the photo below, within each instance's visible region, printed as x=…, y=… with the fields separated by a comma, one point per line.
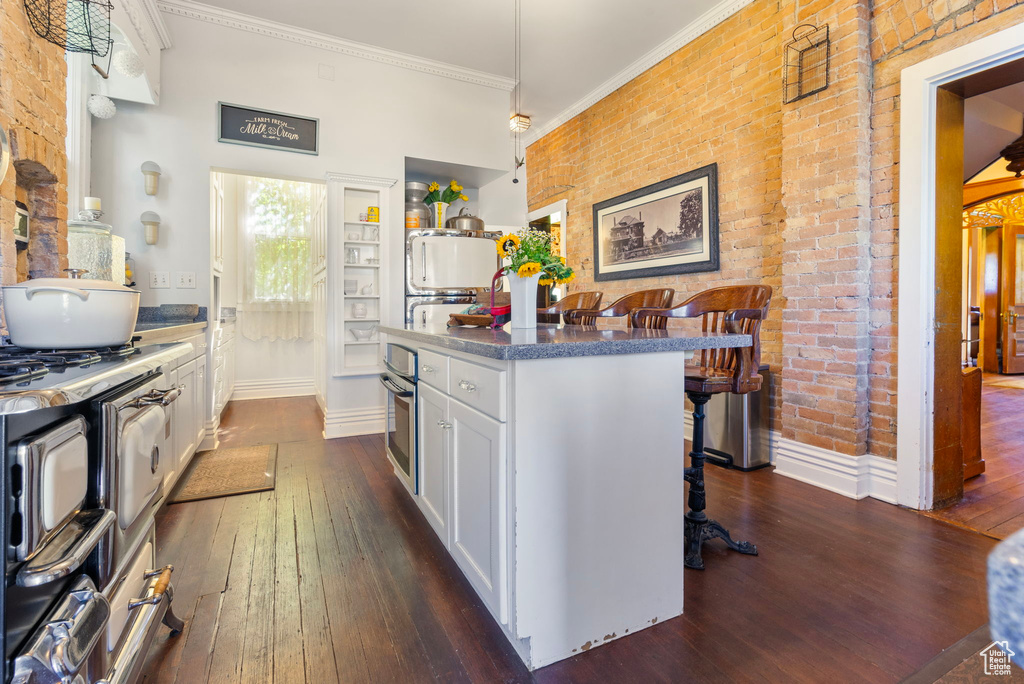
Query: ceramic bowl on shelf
x=364, y=334
x=351, y=285
x=359, y=310
x=354, y=236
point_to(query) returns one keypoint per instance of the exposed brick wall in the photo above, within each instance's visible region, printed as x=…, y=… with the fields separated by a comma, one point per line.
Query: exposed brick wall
x=33, y=112
x=717, y=99
x=808, y=190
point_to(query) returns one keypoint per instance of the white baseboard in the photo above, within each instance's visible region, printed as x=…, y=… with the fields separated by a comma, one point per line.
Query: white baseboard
x=855, y=477
x=210, y=440
x=354, y=422
x=272, y=389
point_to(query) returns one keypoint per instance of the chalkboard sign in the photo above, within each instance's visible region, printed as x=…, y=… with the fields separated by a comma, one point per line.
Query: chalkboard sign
x=260, y=128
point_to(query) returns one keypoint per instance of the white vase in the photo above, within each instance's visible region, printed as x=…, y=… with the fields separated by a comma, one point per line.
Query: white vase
x=440, y=211
x=524, y=300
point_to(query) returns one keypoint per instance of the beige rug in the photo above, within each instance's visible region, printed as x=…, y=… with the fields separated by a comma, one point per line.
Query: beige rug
x=226, y=472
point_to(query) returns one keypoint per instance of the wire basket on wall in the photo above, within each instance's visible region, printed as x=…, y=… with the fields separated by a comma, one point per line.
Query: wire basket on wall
x=75, y=25
x=806, y=68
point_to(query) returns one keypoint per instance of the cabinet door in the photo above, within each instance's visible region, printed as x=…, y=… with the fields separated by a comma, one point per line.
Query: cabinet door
x=477, y=485
x=217, y=212
x=185, y=415
x=229, y=370
x=201, y=392
x=433, y=435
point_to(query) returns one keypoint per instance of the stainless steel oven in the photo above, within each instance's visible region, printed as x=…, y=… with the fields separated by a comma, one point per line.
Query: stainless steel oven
x=399, y=379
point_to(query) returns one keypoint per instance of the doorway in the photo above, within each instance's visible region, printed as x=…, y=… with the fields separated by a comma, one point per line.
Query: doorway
x=551, y=219
x=262, y=261
x=929, y=461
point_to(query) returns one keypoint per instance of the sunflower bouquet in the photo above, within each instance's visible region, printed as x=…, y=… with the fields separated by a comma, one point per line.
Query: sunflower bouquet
x=450, y=194
x=529, y=253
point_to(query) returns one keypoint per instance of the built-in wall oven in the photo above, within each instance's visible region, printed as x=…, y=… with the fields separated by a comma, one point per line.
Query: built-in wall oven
x=399, y=379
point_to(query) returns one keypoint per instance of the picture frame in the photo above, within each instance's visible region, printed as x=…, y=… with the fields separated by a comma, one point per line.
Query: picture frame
x=678, y=235
x=240, y=125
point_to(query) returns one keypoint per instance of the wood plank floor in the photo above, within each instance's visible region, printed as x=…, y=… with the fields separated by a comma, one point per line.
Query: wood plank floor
x=335, y=577
x=993, y=502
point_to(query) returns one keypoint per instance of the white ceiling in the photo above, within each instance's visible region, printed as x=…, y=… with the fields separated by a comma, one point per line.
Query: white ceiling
x=991, y=122
x=570, y=47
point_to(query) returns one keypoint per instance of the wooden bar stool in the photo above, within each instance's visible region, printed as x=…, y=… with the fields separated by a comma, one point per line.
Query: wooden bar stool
x=622, y=306
x=736, y=309
x=576, y=300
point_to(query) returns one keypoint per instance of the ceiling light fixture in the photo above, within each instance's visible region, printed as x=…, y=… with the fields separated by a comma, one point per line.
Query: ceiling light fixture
x=519, y=123
x=1014, y=153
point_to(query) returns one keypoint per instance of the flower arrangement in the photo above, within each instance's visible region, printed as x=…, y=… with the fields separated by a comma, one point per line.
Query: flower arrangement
x=529, y=252
x=451, y=193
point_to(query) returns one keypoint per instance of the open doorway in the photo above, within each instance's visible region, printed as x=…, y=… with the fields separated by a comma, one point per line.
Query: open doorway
x=263, y=278
x=991, y=302
x=551, y=219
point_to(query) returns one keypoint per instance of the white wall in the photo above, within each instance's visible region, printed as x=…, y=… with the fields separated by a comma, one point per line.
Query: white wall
x=371, y=117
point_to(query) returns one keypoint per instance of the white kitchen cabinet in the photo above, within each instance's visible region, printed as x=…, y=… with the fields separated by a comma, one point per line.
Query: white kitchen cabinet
x=185, y=417
x=477, y=483
x=217, y=212
x=199, y=427
x=433, y=459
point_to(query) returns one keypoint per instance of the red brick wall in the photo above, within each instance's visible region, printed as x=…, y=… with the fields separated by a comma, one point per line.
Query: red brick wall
x=808, y=190
x=717, y=99
x=33, y=112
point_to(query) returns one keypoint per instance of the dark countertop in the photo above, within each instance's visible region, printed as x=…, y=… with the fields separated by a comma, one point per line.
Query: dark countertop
x=556, y=341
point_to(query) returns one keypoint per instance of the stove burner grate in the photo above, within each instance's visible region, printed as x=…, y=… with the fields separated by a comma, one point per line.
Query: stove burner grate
x=21, y=371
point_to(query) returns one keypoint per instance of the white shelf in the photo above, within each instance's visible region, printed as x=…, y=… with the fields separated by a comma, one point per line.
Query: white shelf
x=360, y=370
x=362, y=223
x=362, y=320
x=364, y=343
x=372, y=243
x=361, y=266
x=361, y=296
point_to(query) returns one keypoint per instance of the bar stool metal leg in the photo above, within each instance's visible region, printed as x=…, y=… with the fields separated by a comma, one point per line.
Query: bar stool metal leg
x=698, y=528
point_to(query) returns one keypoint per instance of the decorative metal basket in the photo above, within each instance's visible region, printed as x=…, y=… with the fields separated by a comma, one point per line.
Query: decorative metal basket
x=75, y=25
x=807, y=58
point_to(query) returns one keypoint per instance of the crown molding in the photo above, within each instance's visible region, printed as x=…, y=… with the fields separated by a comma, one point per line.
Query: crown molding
x=244, y=22
x=699, y=26
x=353, y=179
x=157, y=22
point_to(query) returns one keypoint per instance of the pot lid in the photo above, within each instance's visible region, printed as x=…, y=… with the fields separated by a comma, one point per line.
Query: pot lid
x=78, y=283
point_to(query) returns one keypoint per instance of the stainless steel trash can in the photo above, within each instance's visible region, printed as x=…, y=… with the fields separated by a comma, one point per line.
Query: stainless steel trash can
x=736, y=427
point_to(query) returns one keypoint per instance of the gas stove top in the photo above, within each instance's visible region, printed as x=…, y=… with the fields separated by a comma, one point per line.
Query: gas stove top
x=19, y=367
x=32, y=379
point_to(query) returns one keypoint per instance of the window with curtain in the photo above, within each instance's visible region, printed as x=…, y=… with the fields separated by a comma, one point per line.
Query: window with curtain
x=275, y=259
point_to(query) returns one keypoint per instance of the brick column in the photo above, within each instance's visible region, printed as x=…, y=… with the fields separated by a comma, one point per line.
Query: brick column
x=825, y=252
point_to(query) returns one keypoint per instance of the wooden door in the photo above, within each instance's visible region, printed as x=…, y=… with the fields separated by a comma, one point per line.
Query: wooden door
x=1013, y=297
x=476, y=484
x=434, y=427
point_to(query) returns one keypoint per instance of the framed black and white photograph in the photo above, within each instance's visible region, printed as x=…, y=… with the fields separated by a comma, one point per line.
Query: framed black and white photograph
x=663, y=229
x=263, y=128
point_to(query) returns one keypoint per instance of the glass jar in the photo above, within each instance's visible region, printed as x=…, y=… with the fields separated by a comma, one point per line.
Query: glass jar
x=417, y=214
x=90, y=246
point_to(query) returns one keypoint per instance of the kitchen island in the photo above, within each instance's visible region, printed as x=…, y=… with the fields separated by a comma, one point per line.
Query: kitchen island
x=551, y=467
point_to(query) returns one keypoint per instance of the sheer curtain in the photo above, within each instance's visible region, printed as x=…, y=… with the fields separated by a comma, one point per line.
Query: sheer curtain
x=275, y=259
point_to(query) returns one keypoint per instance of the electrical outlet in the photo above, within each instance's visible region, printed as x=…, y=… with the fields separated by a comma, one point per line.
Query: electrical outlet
x=186, y=280
x=159, y=280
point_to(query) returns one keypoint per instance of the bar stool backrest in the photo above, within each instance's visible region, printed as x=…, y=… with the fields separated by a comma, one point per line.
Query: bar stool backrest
x=623, y=306
x=731, y=309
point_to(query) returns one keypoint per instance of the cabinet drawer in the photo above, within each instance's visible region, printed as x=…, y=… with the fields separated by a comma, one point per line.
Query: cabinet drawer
x=478, y=386
x=434, y=369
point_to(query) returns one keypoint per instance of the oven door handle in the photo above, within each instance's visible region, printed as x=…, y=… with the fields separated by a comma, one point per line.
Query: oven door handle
x=68, y=550
x=147, y=614
x=156, y=396
x=390, y=386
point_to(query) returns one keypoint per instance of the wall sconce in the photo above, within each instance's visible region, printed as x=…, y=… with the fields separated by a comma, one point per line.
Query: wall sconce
x=151, y=172
x=151, y=220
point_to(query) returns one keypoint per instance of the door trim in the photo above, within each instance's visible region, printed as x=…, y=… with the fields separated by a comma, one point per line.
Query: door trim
x=915, y=409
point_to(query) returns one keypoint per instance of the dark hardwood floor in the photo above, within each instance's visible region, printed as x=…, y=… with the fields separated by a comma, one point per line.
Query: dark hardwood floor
x=993, y=502
x=335, y=577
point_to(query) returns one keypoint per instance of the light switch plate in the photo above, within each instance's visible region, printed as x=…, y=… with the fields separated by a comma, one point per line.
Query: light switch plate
x=159, y=280
x=186, y=280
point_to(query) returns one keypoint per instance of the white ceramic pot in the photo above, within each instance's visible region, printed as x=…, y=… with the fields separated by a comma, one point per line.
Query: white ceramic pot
x=65, y=313
x=524, y=300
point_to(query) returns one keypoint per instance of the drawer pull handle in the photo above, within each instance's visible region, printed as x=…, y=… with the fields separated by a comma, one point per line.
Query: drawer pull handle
x=468, y=386
x=427, y=369
x=444, y=425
